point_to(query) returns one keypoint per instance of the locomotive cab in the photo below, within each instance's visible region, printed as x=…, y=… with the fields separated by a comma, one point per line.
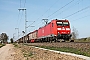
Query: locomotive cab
x=63, y=29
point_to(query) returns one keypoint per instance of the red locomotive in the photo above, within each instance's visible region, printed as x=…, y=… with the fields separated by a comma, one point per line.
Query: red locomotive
x=53, y=31
x=56, y=29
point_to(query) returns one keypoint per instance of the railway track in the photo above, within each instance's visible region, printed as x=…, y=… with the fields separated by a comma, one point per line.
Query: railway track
x=61, y=43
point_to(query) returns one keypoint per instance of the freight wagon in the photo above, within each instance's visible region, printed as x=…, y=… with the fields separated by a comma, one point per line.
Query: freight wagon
x=32, y=36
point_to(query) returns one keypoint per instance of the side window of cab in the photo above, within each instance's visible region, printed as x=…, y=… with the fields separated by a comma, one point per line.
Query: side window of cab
x=52, y=24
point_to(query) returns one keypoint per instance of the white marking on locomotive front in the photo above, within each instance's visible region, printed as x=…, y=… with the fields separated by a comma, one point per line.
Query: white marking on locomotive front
x=58, y=28
x=63, y=29
x=67, y=28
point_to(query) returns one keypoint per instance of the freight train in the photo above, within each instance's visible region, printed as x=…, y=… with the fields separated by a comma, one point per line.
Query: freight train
x=53, y=31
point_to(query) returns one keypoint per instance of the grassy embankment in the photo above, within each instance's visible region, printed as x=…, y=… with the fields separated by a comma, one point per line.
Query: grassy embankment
x=25, y=52
x=69, y=49
x=79, y=51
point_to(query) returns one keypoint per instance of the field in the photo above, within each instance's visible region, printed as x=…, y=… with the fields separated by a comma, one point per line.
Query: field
x=77, y=48
x=83, y=40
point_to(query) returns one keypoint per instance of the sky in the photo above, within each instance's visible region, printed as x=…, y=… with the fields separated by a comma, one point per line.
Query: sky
x=76, y=11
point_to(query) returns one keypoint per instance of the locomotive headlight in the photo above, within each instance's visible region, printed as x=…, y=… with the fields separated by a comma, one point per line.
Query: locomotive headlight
x=68, y=32
x=67, y=28
x=58, y=28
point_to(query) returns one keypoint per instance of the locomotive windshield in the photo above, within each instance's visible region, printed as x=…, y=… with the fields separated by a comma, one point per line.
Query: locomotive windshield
x=59, y=23
x=62, y=24
x=65, y=24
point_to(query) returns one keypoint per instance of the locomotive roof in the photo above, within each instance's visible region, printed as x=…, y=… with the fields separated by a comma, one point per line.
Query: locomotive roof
x=60, y=20
x=55, y=20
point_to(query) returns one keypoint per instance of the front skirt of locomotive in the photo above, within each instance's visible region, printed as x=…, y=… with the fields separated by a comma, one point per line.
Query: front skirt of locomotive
x=64, y=36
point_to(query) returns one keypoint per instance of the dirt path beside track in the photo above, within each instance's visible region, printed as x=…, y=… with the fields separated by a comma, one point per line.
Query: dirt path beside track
x=9, y=52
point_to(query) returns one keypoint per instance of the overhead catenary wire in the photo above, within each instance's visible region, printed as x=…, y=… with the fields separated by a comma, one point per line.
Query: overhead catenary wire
x=80, y=18
x=77, y=12
x=60, y=8
x=48, y=9
x=45, y=13
x=67, y=8
x=20, y=18
x=25, y=4
x=31, y=24
x=20, y=3
x=80, y=15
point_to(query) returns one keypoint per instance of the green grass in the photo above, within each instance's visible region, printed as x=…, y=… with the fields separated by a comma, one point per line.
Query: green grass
x=68, y=49
x=82, y=40
x=26, y=54
x=15, y=45
x=1, y=45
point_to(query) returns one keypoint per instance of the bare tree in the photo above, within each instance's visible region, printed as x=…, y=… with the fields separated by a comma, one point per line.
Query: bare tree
x=75, y=33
